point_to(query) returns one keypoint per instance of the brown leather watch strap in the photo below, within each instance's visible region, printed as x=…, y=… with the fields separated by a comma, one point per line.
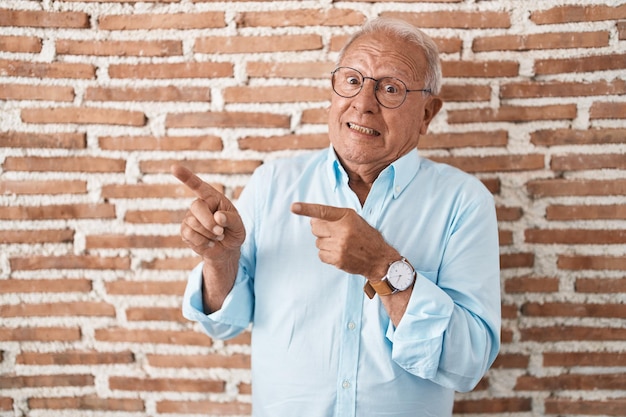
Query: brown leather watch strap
x=379, y=287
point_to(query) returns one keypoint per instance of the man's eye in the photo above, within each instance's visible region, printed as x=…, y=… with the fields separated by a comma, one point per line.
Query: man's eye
x=391, y=89
x=352, y=80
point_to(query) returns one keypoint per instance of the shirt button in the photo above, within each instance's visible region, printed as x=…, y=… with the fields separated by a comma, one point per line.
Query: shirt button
x=345, y=384
x=351, y=325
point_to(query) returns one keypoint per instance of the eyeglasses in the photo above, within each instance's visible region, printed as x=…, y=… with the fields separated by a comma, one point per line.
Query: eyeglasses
x=390, y=92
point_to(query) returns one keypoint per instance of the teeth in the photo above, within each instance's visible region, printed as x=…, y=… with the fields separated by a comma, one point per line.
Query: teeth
x=364, y=130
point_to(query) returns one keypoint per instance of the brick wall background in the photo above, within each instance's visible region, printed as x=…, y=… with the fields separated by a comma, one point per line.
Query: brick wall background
x=98, y=98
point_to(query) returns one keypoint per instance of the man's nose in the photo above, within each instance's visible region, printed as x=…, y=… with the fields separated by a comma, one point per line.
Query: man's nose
x=366, y=99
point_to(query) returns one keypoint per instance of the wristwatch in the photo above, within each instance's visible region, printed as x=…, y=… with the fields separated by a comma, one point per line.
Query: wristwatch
x=400, y=276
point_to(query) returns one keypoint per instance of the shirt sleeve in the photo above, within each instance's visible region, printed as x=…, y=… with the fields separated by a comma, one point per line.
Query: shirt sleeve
x=450, y=332
x=235, y=314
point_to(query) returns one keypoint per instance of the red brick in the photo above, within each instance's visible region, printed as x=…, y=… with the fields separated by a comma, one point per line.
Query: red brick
x=571, y=333
x=539, y=41
x=14, y=139
x=144, y=287
x=133, y=241
x=602, y=110
x=511, y=361
x=586, y=212
x=6, y=404
x=310, y=69
x=509, y=213
x=40, y=334
x=166, y=314
x=27, y=44
x=42, y=70
x=172, y=70
x=576, y=359
x=213, y=360
x=575, y=236
x=181, y=264
x=154, y=216
x=600, y=285
x=183, y=21
x=146, y=191
x=123, y=335
x=119, y=48
x=300, y=17
x=509, y=311
x=28, y=187
x=69, y=309
x=200, y=407
x=576, y=13
x=167, y=143
x=35, y=381
x=559, y=137
x=505, y=237
x=227, y=120
x=54, y=285
x=276, y=94
x=87, y=403
x=562, y=89
x=564, y=406
x=496, y=163
x=621, y=30
x=67, y=164
x=33, y=236
x=213, y=166
x=577, y=262
x=455, y=19
x=166, y=93
x=580, y=65
x=451, y=140
x=465, y=93
x=314, y=116
x=65, y=211
x=36, y=92
x=482, y=69
x=257, y=44
x=531, y=285
x=75, y=357
x=84, y=115
x=493, y=405
x=570, y=382
x=514, y=114
x=517, y=260
x=532, y=309
x=276, y=143
x=44, y=19
x=35, y=262
x=575, y=187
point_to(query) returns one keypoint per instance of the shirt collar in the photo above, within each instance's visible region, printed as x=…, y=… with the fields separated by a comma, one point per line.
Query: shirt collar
x=403, y=170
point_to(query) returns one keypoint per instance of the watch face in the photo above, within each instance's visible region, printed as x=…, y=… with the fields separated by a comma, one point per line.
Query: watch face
x=400, y=275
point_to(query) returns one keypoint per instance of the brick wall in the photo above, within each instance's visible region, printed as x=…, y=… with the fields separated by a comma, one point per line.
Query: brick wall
x=98, y=98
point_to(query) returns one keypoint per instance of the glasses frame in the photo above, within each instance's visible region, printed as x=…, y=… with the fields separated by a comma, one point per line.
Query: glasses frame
x=376, y=81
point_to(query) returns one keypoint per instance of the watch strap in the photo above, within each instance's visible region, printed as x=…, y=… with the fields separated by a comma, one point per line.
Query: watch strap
x=381, y=287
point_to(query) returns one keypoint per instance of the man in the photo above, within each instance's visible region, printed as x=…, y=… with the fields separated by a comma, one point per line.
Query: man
x=320, y=254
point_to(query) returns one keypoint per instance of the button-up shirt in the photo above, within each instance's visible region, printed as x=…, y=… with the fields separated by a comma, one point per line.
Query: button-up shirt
x=320, y=346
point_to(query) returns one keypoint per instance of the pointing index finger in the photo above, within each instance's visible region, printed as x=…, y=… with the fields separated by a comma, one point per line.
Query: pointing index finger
x=318, y=211
x=203, y=190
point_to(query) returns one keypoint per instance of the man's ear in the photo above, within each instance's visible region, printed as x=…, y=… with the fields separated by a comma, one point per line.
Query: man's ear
x=430, y=111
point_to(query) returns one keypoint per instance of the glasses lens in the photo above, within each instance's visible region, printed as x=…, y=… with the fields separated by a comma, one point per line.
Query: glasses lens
x=390, y=92
x=347, y=82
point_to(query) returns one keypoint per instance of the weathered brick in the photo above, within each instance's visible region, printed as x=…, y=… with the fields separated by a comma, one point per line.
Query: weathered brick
x=32, y=236
x=531, y=284
x=257, y=44
x=13, y=68
x=604, y=110
x=497, y=138
x=565, y=406
x=505, y=237
x=483, y=69
x=119, y=48
x=54, y=285
x=577, y=13
x=571, y=333
x=14, y=139
x=528, y=89
x=465, y=93
x=29, y=44
x=577, y=262
x=509, y=213
x=580, y=65
x=145, y=191
x=300, y=17
x=236, y=360
x=35, y=381
x=273, y=69
x=276, y=94
x=67, y=164
x=71, y=309
x=600, y=285
x=586, y=212
x=166, y=314
x=167, y=143
x=511, y=361
x=84, y=115
x=144, y=287
x=214, y=166
x=499, y=163
x=570, y=382
x=183, y=21
x=539, y=41
x=63, y=211
x=28, y=187
x=40, y=334
x=575, y=236
x=493, y=405
x=226, y=120
x=183, y=338
x=6, y=404
x=34, y=262
x=87, y=403
x=533, y=309
x=154, y=216
x=44, y=19
x=558, y=137
x=172, y=70
x=133, y=241
x=199, y=407
x=166, y=93
x=455, y=19
x=575, y=187
x=275, y=143
x=576, y=359
x=514, y=114
x=181, y=264
x=517, y=260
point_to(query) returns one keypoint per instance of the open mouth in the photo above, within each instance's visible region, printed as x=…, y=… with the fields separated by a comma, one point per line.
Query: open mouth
x=362, y=129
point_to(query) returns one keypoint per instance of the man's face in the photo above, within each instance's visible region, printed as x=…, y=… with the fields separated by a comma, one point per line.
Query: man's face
x=365, y=134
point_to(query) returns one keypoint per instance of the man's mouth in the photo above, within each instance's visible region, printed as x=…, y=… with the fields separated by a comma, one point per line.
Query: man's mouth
x=363, y=129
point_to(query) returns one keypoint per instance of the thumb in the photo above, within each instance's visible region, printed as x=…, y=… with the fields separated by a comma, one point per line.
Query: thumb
x=319, y=211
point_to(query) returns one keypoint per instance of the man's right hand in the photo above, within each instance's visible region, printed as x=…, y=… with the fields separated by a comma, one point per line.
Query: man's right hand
x=212, y=226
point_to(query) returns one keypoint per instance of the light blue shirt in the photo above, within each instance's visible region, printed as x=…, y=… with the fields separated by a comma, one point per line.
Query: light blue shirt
x=320, y=346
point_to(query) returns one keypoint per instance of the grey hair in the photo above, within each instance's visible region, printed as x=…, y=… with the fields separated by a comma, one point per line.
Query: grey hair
x=408, y=32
